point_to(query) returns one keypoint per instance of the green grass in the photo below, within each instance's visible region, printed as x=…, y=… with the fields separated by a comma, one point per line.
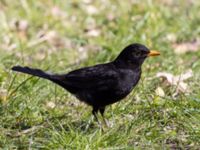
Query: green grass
x=141, y=121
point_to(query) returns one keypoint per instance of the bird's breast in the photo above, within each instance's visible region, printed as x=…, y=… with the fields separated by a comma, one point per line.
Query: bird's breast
x=128, y=80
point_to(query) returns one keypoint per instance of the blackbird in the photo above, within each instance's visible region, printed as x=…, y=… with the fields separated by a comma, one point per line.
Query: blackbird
x=102, y=84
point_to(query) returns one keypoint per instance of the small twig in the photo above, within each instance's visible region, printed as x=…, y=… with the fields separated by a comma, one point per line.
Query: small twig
x=31, y=130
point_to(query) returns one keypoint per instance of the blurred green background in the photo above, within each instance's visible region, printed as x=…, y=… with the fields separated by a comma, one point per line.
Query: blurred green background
x=59, y=36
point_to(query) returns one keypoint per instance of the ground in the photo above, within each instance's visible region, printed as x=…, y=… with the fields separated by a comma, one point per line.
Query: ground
x=59, y=36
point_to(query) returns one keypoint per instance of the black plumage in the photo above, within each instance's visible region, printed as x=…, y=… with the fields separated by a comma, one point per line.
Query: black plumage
x=102, y=84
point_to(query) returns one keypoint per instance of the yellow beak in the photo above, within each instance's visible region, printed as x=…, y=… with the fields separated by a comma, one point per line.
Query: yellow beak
x=153, y=53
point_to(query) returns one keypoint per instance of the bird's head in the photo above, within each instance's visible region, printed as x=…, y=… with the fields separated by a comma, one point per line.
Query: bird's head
x=135, y=54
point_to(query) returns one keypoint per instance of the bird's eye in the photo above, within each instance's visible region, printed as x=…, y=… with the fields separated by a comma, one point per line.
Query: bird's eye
x=137, y=54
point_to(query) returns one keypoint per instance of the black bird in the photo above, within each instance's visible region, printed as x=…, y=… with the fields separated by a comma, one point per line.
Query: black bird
x=102, y=84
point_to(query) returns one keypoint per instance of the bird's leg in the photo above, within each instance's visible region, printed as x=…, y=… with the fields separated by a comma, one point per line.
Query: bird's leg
x=89, y=123
x=94, y=112
x=102, y=110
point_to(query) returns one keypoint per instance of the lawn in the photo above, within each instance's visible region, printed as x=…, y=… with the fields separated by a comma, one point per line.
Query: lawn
x=59, y=36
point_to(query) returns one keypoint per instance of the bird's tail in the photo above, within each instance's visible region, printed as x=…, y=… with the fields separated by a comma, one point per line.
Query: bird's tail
x=31, y=71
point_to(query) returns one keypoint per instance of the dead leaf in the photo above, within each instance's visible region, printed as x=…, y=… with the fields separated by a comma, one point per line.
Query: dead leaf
x=21, y=27
x=52, y=37
x=93, y=32
x=50, y=105
x=167, y=2
x=91, y=10
x=84, y=53
x=57, y=12
x=171, y=37
x=178, y=80
x=87, y=1
x=84, y=50
x=3, y=95
x=7, y=44
x=40, y=55
x=160, y=92
x=111, y=17
x=182, y=48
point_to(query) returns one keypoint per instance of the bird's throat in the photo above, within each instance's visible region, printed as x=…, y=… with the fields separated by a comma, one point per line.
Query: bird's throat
x=127, y=65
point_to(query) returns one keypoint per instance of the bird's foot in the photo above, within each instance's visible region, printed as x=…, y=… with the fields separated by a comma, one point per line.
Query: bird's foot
x=106, y=123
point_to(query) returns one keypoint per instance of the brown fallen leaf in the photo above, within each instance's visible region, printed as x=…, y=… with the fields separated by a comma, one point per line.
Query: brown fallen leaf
x=111, y=16
x=84, y=50
x=58, y=13
x=51, y=37
x=160, y=92
x=93, y=32
x=177, y=81
x=87, y=1
x=192, y=46
x=41, y=54
x=7, y=43
x=84, y=53
x=171, y=37
x=50, y=105
x=21, y=27
x=91, y=10
x=54, y=38
x=3, y=95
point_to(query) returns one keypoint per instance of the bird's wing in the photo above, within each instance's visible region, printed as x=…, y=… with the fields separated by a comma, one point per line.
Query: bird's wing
x=97, y=77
